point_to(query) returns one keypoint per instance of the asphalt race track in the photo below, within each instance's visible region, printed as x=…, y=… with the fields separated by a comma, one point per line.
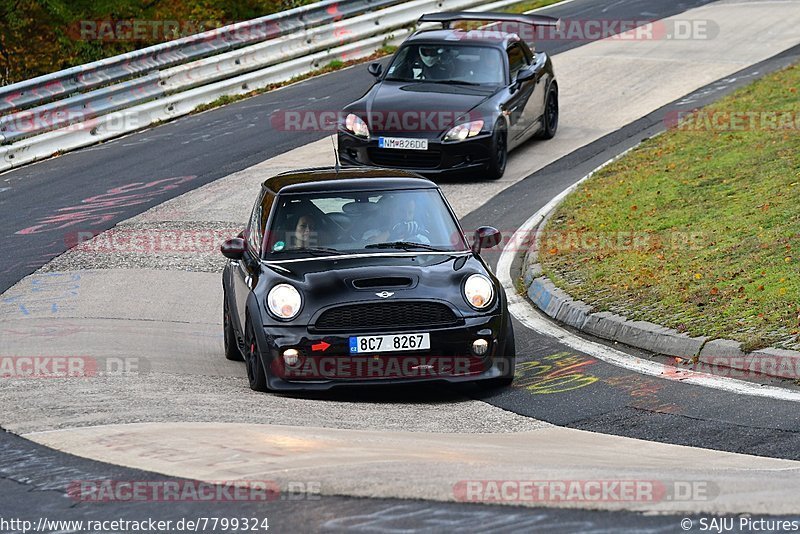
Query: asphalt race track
x=124, y=306
x=211, y=145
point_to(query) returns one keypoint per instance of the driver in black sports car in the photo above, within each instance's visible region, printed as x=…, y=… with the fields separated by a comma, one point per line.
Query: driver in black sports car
x=436, y=63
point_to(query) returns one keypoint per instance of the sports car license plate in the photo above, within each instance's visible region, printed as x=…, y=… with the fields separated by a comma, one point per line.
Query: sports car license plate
x=391, y=343
x=403, y=143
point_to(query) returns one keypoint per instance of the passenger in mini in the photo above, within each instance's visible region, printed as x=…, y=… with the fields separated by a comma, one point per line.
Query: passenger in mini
x=305, y=232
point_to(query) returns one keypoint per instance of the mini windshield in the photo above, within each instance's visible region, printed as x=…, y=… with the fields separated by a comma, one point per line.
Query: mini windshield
x=448, y=63
x=361, y=222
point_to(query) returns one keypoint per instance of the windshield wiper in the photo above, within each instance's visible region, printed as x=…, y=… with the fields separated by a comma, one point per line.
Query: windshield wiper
x=404, y=245
x=453, y=82
x=312, y=250
x=425, y=80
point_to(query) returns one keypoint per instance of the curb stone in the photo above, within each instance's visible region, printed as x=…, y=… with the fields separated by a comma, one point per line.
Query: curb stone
x=727, y=353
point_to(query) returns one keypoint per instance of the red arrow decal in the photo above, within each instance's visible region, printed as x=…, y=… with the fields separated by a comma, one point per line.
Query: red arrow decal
x=320, y=346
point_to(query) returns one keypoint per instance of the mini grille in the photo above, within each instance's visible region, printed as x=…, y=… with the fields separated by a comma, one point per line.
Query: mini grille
x=386, y=315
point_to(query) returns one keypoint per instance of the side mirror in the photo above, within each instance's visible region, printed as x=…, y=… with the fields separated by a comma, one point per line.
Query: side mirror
x=486, y=237
x=525, y=74
x=376, y=69
x=233, y=248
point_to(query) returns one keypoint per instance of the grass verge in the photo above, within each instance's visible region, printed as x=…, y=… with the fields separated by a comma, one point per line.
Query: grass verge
x=697, y=229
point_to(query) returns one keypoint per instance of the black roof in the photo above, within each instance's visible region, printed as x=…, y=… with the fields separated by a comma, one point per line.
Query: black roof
x=321, y=179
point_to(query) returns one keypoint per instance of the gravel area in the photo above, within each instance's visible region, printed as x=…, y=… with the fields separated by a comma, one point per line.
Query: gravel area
x=167, y=245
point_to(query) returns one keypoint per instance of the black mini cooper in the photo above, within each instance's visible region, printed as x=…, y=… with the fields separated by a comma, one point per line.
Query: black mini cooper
x=362, y=276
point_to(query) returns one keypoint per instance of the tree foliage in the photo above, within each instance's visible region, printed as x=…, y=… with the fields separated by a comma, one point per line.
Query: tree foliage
x=42, y=36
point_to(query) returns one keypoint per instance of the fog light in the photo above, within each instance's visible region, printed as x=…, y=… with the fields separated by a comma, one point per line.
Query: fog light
x=480, y=346
x=291, y=357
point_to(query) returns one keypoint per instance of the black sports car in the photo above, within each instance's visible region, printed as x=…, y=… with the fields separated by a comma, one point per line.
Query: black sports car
x=362, y=276
x=454, y=100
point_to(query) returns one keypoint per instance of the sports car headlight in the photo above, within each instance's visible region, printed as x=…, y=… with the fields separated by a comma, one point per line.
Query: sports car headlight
x=284, y=301
x=353, y=123
x=463, y=131
x=479, y=291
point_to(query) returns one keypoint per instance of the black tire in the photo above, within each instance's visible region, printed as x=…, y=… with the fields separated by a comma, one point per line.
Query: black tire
x=499, y=156
x=550, y=117
x=256, y=376
x=232, y=351
x=510, y=356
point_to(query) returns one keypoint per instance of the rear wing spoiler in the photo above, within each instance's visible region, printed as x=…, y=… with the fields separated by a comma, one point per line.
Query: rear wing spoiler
x=448, y=17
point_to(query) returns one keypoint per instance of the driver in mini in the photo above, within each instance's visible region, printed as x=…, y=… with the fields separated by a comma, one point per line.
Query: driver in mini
x=403, y=226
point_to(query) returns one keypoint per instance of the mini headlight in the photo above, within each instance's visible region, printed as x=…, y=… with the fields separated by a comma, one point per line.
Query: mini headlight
x=284, y=301
x=463, y=131
x=353, y=123
x=479, y=291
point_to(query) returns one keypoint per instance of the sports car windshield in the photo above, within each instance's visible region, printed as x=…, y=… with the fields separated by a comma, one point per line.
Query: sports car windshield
x=361, y=222
x=448, y=63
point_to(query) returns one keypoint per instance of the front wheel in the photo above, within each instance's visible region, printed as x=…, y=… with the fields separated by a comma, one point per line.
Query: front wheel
x=232, y=351
x=255, y=369
x=499, y=156
x=550, y=117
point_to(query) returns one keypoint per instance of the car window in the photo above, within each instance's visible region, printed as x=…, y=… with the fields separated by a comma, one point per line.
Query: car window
x=349, y=223
x=263, y=216
x=254, y=226
x=447, y=63
x=528, y=53
x=516, y=60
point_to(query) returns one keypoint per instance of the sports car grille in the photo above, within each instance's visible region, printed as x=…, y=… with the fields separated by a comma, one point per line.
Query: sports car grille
x=412, y=159
x=392, y=315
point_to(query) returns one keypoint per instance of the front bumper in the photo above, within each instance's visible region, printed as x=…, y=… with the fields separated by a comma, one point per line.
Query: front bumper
x=470, y=154
x=326, y=361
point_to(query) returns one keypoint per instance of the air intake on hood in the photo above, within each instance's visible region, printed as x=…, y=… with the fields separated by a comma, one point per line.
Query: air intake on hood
x=381, y=282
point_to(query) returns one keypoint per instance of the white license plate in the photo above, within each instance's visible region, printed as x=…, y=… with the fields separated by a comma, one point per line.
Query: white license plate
x=391, y=343
x=403, y=143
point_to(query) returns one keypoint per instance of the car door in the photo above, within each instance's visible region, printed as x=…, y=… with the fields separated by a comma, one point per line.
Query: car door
x=245, y=272
x=517, y=106
x=536, y=102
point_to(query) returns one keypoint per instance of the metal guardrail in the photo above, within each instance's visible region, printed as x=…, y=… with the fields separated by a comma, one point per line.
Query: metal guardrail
x=162, y=92
x=160, y=83
x=36, y=91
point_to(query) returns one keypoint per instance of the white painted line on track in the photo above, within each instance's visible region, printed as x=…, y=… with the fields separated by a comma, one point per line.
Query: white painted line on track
x=523, y=310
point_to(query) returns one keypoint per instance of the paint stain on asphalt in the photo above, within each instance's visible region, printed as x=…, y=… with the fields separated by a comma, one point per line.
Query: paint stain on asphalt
x=555, y=373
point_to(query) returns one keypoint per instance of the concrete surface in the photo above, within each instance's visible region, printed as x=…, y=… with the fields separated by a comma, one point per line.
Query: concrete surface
x=437, y=466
